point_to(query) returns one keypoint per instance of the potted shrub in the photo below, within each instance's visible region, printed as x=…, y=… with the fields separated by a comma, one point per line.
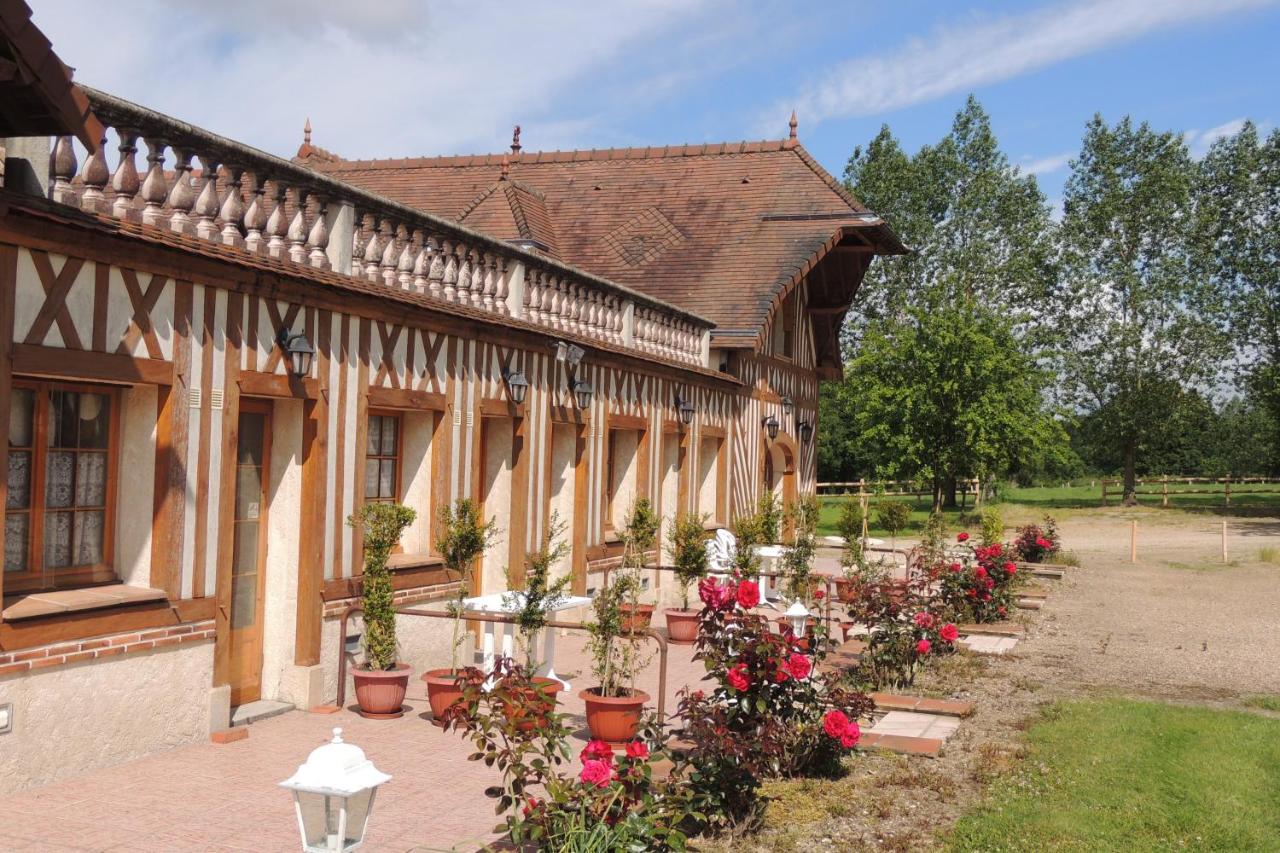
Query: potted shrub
x=530, y=607
x=637, y=541
x=381, y=681
x=462, y=539
x=853, y=560
x=769, y=518
x=615, y=705
x=893, y=517
x=689, y=557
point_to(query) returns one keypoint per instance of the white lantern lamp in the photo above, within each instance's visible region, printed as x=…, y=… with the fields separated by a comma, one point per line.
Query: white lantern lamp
x=798, y=615
x=333, y=792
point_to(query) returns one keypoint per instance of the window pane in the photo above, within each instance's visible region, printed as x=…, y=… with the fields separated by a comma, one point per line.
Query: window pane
x=19, y=480
x=87, y=538
x=387, y=479
x=59, y=478
x=95, y=420
x=249, y=451
x=245, y=549
x=57, y=540
x=21, y=417
x=244, y=600
x=16, y=528
x=248, y=492
x=389, y=426
x=91, y=479
x=371, y=478
x=63, y=419
x=373, y=444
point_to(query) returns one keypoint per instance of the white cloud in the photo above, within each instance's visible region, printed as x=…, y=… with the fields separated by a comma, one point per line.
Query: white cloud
x=1046, y=165
x=1199, y=141
x=378, y=78
x=959, y=58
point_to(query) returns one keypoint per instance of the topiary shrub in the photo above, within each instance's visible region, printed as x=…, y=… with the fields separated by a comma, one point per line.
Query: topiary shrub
x=382, y=525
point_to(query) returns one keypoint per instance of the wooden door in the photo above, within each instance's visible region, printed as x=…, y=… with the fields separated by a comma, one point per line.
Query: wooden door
x=249, y=551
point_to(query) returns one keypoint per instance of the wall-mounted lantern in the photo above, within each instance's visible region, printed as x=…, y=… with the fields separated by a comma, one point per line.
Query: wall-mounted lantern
x=771, y=426
x=685, y=409
x=805, y=429
x=299, y=350
x=582, y=392
x=517, y=385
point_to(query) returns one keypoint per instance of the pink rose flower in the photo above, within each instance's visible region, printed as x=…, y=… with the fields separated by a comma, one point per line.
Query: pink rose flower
x=924, y=620
x=799, y=666
x=949, y=633
x=638, y=750
x=748, y=594
x=595, y=772
x=922, y=647
x=597, y=750
x=835, y=723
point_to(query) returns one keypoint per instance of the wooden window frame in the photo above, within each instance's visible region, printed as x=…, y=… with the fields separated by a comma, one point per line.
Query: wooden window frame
x=398, y=494
x=35, y=579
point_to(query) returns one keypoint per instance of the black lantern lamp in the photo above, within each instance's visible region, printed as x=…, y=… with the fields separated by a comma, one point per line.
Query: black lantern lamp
x=582, y=391
x=299, y=350
x=806, y=431
x=771, y=426
x=517, y=385
x=787, y=406
x=685, y=409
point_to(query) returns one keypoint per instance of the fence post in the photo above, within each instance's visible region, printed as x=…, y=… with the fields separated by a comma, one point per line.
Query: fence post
x=1164, y=485
x=1228, y=492
x=1133, y=541
x=1104, y=492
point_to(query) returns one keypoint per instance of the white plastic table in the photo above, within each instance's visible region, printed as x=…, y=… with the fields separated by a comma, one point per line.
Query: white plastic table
x=506, y=602
x=769, y=555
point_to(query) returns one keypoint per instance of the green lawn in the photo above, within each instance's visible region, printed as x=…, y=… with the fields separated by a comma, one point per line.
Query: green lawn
x=1125, y=775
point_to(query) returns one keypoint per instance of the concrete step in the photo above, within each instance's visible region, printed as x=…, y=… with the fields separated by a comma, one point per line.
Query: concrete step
x=252, y=712
x=996, y=629
x=926, y=747
x=1029, y=603
x=1033, y=592
x=945, y=707
x=987, y=644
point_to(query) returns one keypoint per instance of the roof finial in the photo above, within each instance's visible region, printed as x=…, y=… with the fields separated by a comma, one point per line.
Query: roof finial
x=793, y=124
x=306, y=132
x=515, y=140
x=506, y=167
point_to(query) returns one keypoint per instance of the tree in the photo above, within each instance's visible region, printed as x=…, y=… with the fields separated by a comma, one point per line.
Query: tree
x=1135, y=312
x=948, y=393
x=1239, y=194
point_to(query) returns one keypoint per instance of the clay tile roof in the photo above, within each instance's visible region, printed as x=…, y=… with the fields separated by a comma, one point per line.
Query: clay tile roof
x=37, y=97
x=721, y=229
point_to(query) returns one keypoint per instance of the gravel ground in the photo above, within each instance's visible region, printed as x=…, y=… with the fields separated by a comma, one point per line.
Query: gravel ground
x=1179, y=625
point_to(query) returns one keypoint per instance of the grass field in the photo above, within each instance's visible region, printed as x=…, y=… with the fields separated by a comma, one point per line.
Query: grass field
x=1126, y=775
x=1023, y=504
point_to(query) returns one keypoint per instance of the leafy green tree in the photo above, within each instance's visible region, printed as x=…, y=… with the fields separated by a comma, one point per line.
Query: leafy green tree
x=1239, y=204
x=1136, y=314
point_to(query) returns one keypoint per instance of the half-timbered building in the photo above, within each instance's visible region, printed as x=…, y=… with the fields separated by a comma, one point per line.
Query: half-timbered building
x=211, y=356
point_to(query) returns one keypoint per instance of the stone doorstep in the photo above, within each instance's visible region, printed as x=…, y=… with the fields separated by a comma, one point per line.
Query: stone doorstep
x=1060, y=568
x=1051, y=574
x=995, y=629
x=262, y=709
x=1033, y=592
x=926, y=747
x=945, y=707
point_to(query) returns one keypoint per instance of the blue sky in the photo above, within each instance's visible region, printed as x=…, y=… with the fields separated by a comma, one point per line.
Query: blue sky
x=413, y=77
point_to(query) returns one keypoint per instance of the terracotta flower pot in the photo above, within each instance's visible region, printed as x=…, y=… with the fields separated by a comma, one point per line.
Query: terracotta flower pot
x=846, y=627
x=613, y=719
x=682, y=626
x=380, y=693
x=847, y=590
x=442, y=692
x=534, y=715
x=635, y=620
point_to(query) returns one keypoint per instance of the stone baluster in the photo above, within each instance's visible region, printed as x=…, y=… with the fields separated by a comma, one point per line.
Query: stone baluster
x=96, y=174
x=154, y=191
x=390, y=254
x=232, y=210
x=576, y=323
x=372, y=251
x=62, y=165
x=206, y=209
x=421, y=261
x=450, y=277
x=255, y=217
x=500, y=285
x=533, y=296
x=125, y=181
x=550, y=302
x=465, y=269
x=435, y=272
x=408, y=252
x=567, y=306
x=318, y=236
x=597, y=315
x=479, y=279
x=277, y=224
x=181, y=197
x=297, y=233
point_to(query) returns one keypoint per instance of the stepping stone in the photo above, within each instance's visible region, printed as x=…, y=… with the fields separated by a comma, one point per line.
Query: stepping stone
x=926, y=747
x=986, y=644
x=1029, y=603
x=948, y=707
x=996, y=629
x=1036, y=570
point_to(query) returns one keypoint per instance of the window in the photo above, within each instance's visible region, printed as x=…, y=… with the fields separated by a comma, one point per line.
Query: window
x=62, y=464
x=382, y=459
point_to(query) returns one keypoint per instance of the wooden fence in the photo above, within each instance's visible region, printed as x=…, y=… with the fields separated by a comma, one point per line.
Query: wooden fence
x=890, y=488
x=1242, y=487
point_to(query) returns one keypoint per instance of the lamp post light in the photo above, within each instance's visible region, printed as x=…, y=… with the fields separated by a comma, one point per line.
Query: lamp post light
x=333, y=793
x=299, y=350
x=582, y=392
x=517, y=385
x=798, y=615
x=685, y=409
x=771, y=426
x=806, y=431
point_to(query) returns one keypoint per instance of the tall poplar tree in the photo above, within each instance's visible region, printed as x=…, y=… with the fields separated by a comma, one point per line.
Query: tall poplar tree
x=1137, y=311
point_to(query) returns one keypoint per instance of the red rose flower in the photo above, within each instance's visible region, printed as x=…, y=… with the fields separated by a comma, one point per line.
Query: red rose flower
x=748, y=594
x=949, y=633
x=955, y=567
x=1002, y=611
x=819, y=594
x=638, y=749
x=530, y=806
x=835, y=723
x=922, y=647
x=595, y=772
x=852, y=734
x=980, y=572
x=923, y=619
x=737, y=677
x=799, y=666
x=991, y=583
x=963, y=537
x=1010, y=567
x=781, y=675
x=1042, y=542
x=597, y=750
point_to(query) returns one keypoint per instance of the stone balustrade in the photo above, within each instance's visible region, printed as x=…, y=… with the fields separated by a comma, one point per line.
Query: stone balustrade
x=252, y=201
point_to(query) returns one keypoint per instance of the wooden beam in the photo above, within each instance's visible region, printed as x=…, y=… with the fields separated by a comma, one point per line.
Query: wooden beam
x=173, y=416
x=580, y=486
x=495, y=408
x=517, y=530
x=8, y=290
x=36, y=360
x=84, y=624
x=229, y=441
x=257, y=384
x=631, y=422
x=315, y=429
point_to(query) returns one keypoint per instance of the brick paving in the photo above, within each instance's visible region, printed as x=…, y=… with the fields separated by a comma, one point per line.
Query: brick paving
x=223, y=797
